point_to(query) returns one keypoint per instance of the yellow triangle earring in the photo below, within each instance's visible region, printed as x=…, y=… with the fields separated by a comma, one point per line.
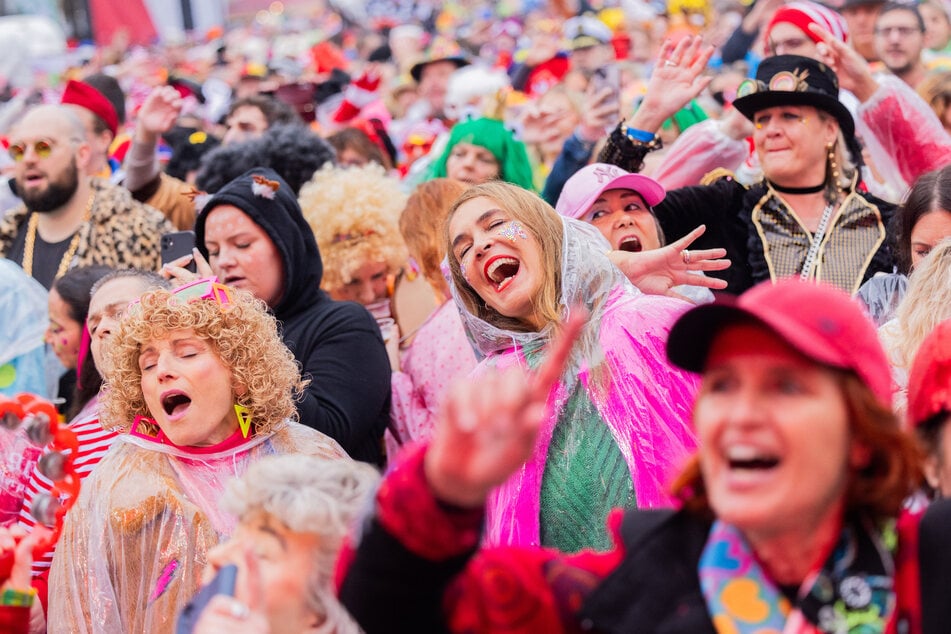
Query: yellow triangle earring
x=244, y=419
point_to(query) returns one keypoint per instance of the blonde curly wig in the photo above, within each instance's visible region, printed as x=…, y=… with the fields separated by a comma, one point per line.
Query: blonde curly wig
x=354, y=213
x=243, y=334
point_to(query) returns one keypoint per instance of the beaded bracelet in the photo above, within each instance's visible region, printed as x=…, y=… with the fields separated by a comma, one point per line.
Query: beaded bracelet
x=640, y=137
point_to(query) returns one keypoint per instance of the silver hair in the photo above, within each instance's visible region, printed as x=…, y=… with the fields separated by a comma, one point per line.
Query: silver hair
x=310, y=495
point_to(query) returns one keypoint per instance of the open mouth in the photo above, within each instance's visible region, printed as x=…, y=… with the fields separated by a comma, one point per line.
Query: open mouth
x=750, y=459
x=232, y=280
x=175, y=403
x=631, y=244
x=501, y=270
x=32, y=178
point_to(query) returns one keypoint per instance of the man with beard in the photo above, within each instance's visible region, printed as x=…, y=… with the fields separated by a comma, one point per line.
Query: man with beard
x=68, y=219
x=899, y=41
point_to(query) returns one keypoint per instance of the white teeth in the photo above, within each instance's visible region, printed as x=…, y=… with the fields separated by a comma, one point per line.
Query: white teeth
x=743, y=453
x=495, y=267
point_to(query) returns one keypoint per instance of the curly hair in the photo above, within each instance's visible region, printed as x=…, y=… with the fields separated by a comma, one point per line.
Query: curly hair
x=293, y=151
x=354, y=213
x=243, y=334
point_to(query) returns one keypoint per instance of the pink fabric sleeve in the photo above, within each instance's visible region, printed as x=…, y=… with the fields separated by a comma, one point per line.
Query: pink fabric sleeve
x=698, y=151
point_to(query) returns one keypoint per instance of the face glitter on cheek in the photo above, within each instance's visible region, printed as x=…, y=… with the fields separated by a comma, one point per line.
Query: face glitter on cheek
x=513, y=231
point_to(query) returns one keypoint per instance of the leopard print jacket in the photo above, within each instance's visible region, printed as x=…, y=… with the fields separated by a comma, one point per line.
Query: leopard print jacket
x=121, y=232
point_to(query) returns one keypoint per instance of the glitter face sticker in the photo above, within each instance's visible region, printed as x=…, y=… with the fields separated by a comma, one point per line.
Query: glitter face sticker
x=513, y=231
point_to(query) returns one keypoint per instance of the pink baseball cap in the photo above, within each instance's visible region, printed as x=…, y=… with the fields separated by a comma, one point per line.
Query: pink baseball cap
x=929, y=383
x=588, y=183
x=820, y=321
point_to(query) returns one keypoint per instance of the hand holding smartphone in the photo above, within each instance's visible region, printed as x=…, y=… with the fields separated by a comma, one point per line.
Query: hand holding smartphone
x=223, y=583
x=608, y=77
x=176, y=245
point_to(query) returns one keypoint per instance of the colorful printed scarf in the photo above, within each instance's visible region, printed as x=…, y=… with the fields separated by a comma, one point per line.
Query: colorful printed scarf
x=853, y=593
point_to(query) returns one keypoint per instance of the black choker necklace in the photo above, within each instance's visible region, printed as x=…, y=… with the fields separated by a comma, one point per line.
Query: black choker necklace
x=797, y=190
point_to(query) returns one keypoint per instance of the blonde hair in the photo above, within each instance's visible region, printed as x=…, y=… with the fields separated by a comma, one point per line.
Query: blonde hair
x=243, y=334
x=926, y=303
x=544, y=224
x=353, y=213
x=423, y=226
x=309, y=495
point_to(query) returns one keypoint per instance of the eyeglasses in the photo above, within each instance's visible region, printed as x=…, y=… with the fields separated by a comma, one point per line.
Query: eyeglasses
x=903, y=31
x=41, y=148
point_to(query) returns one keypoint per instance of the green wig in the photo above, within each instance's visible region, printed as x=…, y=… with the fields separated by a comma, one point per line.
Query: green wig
x=514, y=166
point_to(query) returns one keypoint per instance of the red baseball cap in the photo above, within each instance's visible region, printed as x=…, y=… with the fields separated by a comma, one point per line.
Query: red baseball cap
x=85, y=96
x=929, y=383
x=818, y=320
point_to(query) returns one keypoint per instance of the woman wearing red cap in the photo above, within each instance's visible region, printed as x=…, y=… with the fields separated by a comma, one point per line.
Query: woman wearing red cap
x=789, y=508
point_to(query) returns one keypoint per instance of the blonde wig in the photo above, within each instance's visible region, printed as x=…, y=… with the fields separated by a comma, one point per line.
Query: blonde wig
x=423, y=226
x=354, y=213
x=926, y=303
x=539, y=219
x=242, y=333
x=313, y=496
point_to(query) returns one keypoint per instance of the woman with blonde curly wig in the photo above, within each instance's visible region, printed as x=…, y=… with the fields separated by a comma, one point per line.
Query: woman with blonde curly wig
x=201, y=386
x=354, y=213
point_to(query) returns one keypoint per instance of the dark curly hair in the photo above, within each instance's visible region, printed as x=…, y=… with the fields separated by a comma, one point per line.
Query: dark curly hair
x=292, y=151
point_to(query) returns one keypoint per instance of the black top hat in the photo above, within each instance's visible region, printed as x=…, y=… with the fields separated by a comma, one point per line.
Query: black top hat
x=793, y=80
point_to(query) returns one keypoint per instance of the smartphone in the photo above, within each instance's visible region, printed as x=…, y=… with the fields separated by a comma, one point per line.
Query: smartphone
x=178, y=244
x=223, y=583
x=608, y=77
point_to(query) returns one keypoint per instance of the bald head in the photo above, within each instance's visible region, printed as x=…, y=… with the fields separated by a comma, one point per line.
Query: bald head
x=60, y=123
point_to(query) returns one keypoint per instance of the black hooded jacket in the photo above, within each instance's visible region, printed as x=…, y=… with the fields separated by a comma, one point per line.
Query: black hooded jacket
x=338, y=344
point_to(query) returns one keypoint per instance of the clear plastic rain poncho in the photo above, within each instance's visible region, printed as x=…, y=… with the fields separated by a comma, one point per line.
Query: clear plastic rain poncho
x=618, y=428
x=134, y=546
x=23, y=321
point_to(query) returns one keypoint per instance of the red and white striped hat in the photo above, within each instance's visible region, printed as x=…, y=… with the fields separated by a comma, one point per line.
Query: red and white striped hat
x=804, y=13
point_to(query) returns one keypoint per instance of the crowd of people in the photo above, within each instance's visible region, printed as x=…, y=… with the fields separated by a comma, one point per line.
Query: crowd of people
x=619, y=317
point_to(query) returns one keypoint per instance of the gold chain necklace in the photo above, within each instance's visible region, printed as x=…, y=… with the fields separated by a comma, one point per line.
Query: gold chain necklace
x=70, y=251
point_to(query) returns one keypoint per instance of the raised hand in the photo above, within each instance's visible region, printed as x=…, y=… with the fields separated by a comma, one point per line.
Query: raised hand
x=159, y=111
x=851, y=68
x=657, y=271
x=677, y=78
x=488, y=425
